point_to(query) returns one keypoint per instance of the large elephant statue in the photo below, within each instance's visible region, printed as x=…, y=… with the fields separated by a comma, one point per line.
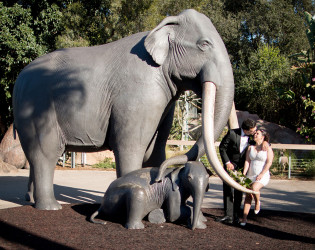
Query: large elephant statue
x=135, y=195
x=121, y=96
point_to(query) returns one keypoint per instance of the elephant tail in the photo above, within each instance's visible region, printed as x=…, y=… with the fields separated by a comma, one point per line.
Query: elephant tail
x=92, y=218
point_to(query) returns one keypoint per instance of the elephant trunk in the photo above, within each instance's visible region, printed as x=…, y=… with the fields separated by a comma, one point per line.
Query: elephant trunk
x=223, y=103
x=209, y=96
x=197, y=202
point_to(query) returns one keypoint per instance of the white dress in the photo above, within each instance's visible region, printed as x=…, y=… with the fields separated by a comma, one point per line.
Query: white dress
x=257, y=163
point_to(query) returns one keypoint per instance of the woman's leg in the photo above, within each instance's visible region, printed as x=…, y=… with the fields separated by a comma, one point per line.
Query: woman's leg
x=256, y=187
x=247, y=204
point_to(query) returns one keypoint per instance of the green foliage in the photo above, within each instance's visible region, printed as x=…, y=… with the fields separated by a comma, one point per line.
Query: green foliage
x=240, y=178
x=305, y=67
x=74, y=24
x=257, y=34
x=261, y=85
x=18, y=47
x=310, y=169
x=187, y=104
x=106, y=163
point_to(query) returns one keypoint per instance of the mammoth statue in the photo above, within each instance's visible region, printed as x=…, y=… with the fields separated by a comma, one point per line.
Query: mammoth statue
x=120, y=96
x=136, y=194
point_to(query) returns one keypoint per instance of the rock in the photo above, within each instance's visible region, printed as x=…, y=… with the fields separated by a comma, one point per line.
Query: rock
x=6, y=168
x=278, y=133
x=11, y=151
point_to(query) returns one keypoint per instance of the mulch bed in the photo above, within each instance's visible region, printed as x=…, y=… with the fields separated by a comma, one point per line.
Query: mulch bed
x=27, y=228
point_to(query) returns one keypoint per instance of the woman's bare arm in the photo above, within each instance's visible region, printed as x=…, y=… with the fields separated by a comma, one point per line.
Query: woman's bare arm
x=247, y=161
x=267, y=164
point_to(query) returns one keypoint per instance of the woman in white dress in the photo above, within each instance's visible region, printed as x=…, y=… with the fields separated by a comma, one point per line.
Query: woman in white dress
x=256, y=168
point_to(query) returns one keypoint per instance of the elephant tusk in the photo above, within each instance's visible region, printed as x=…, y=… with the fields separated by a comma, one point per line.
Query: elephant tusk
x=233, y=121
x=209, y=92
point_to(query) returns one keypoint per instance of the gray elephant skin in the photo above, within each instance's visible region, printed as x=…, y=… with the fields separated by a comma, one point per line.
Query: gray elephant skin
x=136, y=194
x=120, y=96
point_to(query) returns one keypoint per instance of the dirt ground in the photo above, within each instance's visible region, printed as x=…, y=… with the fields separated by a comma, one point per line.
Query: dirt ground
x=27, y=228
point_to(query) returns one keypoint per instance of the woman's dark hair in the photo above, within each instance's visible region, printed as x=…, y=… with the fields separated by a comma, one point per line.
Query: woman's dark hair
x=265, y=134
x=248, y=124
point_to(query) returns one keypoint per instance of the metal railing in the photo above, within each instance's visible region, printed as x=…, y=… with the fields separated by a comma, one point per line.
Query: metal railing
x=295, y=166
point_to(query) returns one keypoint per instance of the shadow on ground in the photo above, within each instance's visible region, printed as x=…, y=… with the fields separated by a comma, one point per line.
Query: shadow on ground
x=16, y=187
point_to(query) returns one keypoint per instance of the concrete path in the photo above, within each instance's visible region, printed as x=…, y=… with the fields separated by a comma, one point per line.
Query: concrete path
x=88, y=186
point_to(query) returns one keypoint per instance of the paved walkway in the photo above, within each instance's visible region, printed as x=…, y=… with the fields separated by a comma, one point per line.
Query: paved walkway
x=88, y=186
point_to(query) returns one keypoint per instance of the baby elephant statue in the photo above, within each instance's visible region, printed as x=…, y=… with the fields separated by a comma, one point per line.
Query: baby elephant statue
x=136, y=195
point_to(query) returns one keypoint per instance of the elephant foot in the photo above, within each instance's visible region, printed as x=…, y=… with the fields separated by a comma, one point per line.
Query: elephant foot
x=202, y=217
x=201, y=225
x=156, y=216
x=134, y=225
x=51, y=204
x=29, y=197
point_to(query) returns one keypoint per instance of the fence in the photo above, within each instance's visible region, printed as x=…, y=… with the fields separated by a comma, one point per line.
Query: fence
x=295, y=167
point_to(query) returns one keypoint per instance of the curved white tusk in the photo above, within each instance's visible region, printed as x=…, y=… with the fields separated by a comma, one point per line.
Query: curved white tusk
x=208, y=98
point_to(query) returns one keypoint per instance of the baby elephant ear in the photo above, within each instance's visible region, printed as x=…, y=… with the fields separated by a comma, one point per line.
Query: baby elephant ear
x=158, y=41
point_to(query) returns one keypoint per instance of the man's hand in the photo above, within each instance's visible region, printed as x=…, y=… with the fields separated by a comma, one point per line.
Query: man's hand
x=229, y=166
x=265, y=146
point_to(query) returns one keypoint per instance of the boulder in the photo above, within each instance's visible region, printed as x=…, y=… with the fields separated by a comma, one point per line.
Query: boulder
x=6, y=168
x=11, y=151
x=278, y=133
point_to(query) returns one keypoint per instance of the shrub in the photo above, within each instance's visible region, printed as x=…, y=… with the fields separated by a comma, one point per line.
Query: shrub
x=106, y=163
x=310, y=169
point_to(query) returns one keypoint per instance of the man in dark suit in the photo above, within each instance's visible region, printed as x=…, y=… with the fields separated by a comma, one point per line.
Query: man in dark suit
x=233, y=153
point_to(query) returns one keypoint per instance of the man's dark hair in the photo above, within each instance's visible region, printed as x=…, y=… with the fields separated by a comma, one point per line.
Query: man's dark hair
x=248, y=124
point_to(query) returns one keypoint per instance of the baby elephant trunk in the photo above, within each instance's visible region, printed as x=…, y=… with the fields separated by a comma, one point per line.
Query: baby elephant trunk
x=198, y=180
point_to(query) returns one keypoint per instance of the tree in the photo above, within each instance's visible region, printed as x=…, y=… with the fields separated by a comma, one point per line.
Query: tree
x=23, y=37
x=305, y=69
x=262, y=83
x=18, y=47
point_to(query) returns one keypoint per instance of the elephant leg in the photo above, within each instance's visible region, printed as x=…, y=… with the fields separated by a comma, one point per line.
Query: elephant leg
x=181, y=214
x=202, y=217
x=127, y=160
x=44, y=193
x=130, y=145
x=201, y=220
x=155, y=153
x=157, y=216
x=42, y=148
x=29, y=196
x=136, y=206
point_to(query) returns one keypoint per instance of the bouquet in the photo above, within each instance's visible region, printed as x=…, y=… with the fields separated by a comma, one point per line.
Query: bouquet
x=240, y=178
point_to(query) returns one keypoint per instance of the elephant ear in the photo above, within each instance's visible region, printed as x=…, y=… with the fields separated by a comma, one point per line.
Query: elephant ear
x=174, y=177
x=158, y=41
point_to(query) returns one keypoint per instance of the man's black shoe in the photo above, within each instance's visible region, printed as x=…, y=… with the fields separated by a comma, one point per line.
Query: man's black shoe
x=225, y=219
x=236, y=221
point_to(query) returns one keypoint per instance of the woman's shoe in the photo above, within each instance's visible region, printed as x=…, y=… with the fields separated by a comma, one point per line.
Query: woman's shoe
x=243, y=223
x=257, y=211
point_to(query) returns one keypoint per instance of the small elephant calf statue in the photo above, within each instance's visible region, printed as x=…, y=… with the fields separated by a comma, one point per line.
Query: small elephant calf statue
x=136, y=195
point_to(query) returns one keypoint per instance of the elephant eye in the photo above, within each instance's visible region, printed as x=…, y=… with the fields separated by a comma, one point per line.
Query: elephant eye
x=204, y=44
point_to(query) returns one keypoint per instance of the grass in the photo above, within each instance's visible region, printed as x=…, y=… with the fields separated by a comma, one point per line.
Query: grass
x=107, y=163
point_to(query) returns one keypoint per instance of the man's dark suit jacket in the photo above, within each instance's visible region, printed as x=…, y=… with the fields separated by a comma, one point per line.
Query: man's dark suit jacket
x=230, y=149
